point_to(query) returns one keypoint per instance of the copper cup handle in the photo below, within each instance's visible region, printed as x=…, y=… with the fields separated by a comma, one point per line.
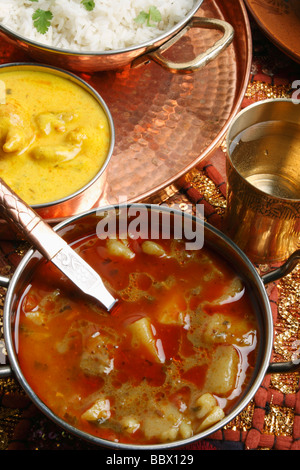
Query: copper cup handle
x=26, y=221
x=201, y=60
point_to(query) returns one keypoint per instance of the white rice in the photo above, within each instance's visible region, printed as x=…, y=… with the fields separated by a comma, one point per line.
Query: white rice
x=110, y=26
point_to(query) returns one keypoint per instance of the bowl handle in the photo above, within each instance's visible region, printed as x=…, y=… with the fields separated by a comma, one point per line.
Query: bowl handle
x=283, y=270
x=286, y=268
x=5, y=370
x=202, y=59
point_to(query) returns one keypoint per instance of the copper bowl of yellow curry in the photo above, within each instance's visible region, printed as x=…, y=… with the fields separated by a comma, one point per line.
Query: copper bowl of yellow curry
x=56, y=136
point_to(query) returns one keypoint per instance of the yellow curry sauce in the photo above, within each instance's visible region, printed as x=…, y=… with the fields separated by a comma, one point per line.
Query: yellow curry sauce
x=54, y=135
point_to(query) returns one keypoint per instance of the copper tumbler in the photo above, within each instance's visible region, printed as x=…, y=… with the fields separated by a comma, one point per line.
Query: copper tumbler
x=263, y=180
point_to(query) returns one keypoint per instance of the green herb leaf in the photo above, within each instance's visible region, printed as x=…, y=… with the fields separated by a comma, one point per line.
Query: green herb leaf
x=153, y=15
x=142, y=17
x=34, y=0
x=89, y=5
x=42, y=20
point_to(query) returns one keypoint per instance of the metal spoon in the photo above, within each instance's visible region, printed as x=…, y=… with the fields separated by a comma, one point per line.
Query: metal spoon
x=38, y=232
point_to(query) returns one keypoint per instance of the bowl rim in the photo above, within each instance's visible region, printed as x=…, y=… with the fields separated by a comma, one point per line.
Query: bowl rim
x=66, y=74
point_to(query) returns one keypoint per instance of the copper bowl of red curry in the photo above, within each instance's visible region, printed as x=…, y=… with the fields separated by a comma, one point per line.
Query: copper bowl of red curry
x=182, y=353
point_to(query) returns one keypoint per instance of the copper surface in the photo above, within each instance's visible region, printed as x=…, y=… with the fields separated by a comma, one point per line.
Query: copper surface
x=167, y=123
x=280, y=21
x=202, y=59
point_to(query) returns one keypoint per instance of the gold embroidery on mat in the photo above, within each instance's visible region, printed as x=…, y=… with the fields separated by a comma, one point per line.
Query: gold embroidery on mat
x=287, y=337
x=279, y=421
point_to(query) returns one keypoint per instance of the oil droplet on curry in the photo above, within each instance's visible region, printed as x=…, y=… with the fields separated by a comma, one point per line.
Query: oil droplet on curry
x=54, y=135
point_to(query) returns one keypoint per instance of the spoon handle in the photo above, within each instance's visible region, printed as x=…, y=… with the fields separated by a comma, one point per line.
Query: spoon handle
x=52, y=246
x=26, y=221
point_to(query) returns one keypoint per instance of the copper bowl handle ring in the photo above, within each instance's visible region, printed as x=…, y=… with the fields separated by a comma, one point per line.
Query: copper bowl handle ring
x=201, y=60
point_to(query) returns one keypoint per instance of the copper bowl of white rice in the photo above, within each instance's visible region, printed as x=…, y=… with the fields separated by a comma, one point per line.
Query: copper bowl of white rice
x=95, y=35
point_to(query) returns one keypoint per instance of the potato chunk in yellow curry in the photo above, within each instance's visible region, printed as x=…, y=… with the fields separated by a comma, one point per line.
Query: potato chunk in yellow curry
x=54, y=135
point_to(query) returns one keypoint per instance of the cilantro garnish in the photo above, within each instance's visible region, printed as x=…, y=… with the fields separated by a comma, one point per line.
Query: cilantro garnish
x=89, y=5
x=152, y=15
x=42, y=20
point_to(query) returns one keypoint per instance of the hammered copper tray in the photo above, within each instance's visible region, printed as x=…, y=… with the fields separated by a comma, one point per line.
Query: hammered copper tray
x=167, y=123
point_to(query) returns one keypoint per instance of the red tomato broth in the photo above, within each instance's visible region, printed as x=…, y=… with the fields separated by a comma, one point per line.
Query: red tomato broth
x=137, y=384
